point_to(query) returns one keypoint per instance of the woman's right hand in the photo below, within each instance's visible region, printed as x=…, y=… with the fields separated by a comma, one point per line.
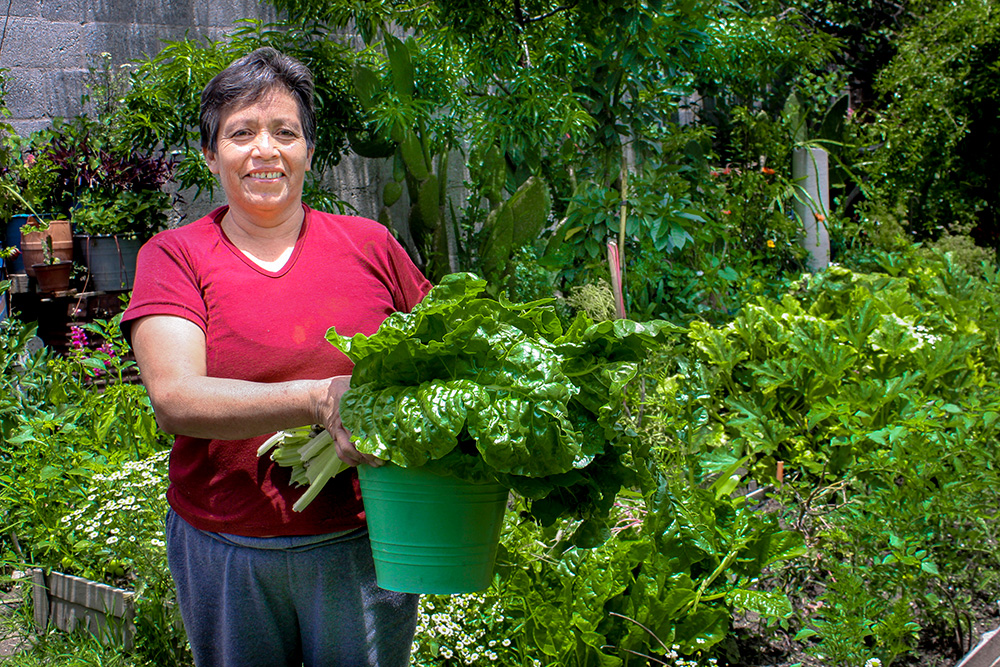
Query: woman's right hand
x=328, y=414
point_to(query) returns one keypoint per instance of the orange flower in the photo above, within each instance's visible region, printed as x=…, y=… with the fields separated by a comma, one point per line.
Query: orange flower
x=726, y=211
x=766, y=170
x=821, y=217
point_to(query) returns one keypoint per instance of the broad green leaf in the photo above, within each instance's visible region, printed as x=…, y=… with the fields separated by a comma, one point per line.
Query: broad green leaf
x=410, y=425
x=785, y=545
x=773, y=604
x=401, y=65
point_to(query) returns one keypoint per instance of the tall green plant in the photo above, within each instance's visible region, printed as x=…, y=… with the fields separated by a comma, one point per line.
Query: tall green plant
x=935, y=138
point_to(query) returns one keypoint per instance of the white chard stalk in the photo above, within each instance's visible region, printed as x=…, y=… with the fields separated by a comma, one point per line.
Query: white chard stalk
x=311, y=456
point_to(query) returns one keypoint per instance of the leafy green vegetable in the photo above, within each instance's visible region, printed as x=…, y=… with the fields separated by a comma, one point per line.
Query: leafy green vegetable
x=482, y=388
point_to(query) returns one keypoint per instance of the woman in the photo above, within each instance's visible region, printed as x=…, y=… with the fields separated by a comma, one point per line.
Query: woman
x=227, y=319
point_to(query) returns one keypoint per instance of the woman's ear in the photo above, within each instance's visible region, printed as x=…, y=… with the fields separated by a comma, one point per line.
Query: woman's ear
x=210, y=159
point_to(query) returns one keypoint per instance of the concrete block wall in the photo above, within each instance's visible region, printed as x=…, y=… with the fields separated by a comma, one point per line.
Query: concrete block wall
x=48, y=45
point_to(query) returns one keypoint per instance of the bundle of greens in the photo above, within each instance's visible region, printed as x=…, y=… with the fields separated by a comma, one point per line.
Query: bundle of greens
x=484, y=389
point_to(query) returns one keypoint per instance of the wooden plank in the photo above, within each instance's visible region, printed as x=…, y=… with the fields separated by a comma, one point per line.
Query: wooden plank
x=40, y=599
x=986, y=653
x=89, y=594
x=67, y=602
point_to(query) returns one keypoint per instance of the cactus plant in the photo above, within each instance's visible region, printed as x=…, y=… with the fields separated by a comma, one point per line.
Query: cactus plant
x=514, y=223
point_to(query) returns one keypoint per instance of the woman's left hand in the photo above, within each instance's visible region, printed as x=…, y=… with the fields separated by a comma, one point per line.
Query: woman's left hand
x=328, y=414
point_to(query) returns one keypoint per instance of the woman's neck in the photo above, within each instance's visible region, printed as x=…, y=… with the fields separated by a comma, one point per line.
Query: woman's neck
x=267, y=241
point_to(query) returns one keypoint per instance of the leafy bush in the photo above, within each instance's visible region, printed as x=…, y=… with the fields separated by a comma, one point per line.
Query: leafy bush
x=865, y=400
x=936, y=137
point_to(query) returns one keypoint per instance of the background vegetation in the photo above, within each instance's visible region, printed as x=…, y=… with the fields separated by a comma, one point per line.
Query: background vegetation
x=814, y=460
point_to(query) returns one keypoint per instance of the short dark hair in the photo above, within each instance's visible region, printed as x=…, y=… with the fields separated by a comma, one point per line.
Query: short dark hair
x=246, y=81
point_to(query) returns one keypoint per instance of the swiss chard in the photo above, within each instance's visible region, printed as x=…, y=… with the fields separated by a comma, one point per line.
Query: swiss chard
x=481, y=388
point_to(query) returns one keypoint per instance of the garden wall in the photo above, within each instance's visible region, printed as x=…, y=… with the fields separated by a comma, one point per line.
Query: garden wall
x=47, y=45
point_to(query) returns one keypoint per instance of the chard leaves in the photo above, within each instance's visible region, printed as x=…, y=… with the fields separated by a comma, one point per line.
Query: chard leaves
x=476, y=386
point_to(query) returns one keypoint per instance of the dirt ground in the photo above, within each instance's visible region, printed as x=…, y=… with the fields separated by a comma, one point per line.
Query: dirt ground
x=12, y=638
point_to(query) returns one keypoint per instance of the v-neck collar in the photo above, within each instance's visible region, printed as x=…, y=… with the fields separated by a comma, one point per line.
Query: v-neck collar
x=287, y=266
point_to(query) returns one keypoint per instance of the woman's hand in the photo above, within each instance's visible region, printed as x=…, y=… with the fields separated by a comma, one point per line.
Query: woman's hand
x=328, y=414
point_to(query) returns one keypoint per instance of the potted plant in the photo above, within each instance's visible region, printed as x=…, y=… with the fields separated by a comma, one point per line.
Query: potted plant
x=25, y=189
x=52, y=273
x=490, y=393
x=109, y=233
x=112, y=193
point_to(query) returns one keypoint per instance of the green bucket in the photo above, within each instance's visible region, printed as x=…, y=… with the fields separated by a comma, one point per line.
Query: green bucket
x=430, y=533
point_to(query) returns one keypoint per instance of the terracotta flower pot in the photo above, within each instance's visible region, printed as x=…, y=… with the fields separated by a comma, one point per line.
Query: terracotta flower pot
x=53, y=277
x=33, y=244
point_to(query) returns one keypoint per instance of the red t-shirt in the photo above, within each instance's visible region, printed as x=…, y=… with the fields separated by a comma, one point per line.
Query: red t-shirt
x=269, y=326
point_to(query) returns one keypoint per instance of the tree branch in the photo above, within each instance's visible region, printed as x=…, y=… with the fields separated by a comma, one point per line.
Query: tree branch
x=546, y=15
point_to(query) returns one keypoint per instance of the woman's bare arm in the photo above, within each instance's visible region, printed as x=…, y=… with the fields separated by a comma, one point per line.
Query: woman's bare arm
x=171, y=355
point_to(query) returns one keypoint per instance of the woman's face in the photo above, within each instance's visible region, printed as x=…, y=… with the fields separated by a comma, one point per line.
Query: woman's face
x=262, y=156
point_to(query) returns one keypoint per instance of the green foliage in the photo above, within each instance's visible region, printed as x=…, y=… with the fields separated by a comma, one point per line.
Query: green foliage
x=936, y=136
x=162, y=107
x=83, y=481
x=656, y=587
x=59, y=434
x=793, y=374
x=874, y=394
x=87, y=161
x=757, y=55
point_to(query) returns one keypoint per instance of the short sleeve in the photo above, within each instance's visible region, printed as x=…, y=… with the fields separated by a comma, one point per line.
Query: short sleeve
x=166, y=283
x=411, y=285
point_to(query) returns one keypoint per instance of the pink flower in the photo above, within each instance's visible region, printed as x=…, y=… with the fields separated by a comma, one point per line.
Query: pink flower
x=77, y=338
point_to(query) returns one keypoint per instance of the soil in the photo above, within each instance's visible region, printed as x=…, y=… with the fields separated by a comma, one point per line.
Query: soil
x=13, y=638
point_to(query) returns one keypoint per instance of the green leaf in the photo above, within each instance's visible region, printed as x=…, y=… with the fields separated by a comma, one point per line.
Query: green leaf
x=412, y=151
x=410, y=425
x=365, y=85
x=391, y=193
x=773, y=604
x=785, y=545
x=401, y=65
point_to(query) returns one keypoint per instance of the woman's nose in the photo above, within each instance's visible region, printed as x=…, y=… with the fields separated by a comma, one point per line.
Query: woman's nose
x=263, y=144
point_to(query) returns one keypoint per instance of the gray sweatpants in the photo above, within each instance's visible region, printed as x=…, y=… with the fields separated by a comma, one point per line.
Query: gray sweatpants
x=286, y=601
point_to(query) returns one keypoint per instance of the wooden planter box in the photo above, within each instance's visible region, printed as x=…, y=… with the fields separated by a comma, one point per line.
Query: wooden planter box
x=69, y=603
x=984, y=654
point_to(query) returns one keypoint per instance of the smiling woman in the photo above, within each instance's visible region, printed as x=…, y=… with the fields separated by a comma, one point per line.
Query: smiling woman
x=228, y=320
